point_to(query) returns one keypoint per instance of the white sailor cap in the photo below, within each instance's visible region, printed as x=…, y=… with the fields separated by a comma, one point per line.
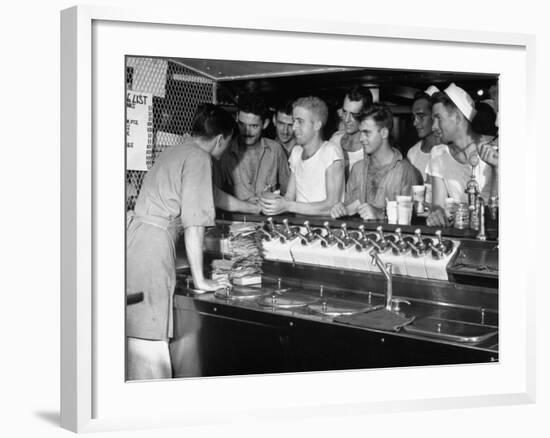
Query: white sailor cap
x=431, y=90
x=462, y=100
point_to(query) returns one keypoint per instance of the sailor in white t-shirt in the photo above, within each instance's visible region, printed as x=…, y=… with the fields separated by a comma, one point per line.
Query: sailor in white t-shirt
x=452, y=112
x=317, y=167
x=419, y=154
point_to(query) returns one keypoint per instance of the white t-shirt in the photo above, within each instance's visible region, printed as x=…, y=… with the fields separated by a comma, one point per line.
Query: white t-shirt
x=310, y=174
x=456, y=175
x=419, y=159
x=354, y=157
x=350, y=157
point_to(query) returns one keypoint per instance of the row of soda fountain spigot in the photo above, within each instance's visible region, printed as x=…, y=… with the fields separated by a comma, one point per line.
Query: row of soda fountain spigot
x=343, y=238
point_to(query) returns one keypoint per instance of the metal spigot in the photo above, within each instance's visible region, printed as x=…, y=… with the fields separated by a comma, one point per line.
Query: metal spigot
x=399, y=246
x=421, y=245
x=373, y=240
x=441, y=248
x=472, y=190
x=383, y=242
x=386, y=269
x=291, y=233
x=362, y=241
x=276, y=233
x=481, y=210
x=328, y=240
x=265, y=234
x=345, y=241
x=355, y=239
x=310, y=235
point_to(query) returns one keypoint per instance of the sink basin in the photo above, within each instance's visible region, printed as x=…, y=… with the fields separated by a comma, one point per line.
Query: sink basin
x=451, y=330
x=336, y=307
x=242, y=292
x=286, y=300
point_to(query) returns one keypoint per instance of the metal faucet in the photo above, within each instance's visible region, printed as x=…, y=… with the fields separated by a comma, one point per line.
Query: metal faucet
x=400, y=246
x=386, y=269
x=330, y=239
x=472, y=190
x=276, y=233
x=421, y=245
x=311, y=234
x=345, y=241
x=356, y=239
x=475, y=201
x=291, y=233
x=481, y=211
x=382, y=241
x=442, y=248
x=266, y=235
x=363, y=240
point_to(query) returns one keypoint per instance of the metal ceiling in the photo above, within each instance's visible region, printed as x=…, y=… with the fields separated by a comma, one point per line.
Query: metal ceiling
x=220, y=70
x=275, y=80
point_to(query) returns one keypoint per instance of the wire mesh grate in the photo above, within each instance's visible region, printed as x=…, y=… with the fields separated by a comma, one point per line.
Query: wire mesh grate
x=177, y=92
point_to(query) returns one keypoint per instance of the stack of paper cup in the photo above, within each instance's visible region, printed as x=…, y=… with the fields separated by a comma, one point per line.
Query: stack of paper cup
x=404, y=210
x=391, y=212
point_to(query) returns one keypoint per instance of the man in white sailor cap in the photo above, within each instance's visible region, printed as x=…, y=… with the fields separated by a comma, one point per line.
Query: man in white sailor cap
x=451, y=162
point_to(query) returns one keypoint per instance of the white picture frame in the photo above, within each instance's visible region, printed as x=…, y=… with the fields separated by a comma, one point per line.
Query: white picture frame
x=93, y=397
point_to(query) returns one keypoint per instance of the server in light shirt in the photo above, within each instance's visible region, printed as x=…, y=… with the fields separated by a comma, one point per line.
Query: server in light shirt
x=176, y=194
x=317, y=167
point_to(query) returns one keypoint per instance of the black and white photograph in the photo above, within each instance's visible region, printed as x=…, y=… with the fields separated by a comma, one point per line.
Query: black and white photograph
x=295, y=218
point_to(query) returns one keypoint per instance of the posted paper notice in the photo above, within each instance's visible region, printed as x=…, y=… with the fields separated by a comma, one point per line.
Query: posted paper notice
x=139, y=130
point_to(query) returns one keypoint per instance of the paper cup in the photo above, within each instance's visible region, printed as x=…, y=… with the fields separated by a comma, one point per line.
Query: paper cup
x=391, y=212
x=404, y=213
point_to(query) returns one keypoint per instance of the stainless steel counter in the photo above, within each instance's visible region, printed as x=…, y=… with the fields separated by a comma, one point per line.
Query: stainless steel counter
x=308, y=305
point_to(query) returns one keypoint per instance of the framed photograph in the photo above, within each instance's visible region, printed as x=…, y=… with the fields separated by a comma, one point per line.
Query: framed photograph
x=131, y=83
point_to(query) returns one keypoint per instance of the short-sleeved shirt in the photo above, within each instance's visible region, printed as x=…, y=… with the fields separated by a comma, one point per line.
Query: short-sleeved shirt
x=179, y=185
x=419, y=159
x=176, y=192
x=310, y=174
x=288, y=148
x=374, y=185
x=234, y=174
x=350, y=158
x=456, y=175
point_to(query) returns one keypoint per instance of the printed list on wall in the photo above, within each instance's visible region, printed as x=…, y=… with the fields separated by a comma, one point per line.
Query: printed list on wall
x=139, y=130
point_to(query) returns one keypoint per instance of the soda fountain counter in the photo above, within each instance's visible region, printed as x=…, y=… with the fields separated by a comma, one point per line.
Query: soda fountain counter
x=342, y=294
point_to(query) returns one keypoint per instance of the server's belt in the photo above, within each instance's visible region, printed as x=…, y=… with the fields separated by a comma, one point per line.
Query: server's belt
x=156, y=221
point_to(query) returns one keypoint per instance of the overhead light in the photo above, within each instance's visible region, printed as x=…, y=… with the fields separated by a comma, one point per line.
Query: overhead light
x=480, y=92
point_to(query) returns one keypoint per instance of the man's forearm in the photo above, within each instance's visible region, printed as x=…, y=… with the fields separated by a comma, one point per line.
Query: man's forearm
x=310, y=208
x=193, y=245
x=227, y=202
